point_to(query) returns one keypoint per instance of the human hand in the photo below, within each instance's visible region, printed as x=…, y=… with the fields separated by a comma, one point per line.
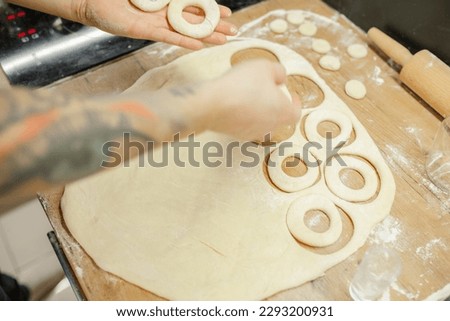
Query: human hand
x=250, y=103
x=120, y=17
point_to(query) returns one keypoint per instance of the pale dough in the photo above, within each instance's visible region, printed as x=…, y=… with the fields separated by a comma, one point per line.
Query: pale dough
x=340, y=189
x=355, y=89
x=321, y=46
x=278, y=26
x=203, y=233
x=308, y=28
x=150, y=5
x=288, y=183
x=330, y=63
x=357, y=51
x=295, y=17
x=296, y=223
x=339, y=118
x=200, y=30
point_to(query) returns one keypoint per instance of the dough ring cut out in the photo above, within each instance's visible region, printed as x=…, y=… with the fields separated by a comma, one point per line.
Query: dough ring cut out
x=335, y=184
x=316, y=117
x=201, y=30
x=289, y=183
x=150, y=5
x=295, y=220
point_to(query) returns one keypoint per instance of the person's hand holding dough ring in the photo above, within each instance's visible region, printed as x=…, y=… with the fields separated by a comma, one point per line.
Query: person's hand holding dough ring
x=250, y=112
x=122, y=18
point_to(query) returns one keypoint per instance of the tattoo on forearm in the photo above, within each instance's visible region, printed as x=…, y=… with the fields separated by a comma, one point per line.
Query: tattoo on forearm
x=57, y=145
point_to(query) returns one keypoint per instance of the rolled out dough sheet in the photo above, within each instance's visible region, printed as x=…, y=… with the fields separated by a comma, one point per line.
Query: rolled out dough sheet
x=199, y=233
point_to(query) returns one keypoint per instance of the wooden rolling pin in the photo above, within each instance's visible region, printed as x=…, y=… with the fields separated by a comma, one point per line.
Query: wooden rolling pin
x=423, y=73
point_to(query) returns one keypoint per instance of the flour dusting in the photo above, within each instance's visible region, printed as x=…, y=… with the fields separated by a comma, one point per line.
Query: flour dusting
x=427, y=252
x=386, y=232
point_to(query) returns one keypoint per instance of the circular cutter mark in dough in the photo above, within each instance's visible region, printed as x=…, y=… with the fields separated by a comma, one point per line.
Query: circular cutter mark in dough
x=357, y=51
x=278, y=26
x=355, y=89
x=200, y=30
x=340, y=119
x=289, y=183
x=295, y=220
x=295, y=17
x=308, y=28
x=335, y=184
x=330, y=63
x=321, y=46
x=150, y=5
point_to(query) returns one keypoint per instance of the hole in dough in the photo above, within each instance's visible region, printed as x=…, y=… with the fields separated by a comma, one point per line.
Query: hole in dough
x=289, y=183
x=326, y=126
x=253, y=53
x=295, y=220
x=309, y=92
x=352, y=178
x=201, y=15
x=369, y=189
x=294, y=166
x=346, y=235
x=317, y=221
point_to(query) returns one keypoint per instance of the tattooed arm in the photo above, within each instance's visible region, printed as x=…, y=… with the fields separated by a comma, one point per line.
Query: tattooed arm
x=48, y=140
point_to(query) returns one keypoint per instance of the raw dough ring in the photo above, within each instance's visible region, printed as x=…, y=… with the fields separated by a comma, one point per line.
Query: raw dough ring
x=289, y=183
x=335, y=184
x=316, y=117
x=302, y=233
x=150, y=5
x=200, y=30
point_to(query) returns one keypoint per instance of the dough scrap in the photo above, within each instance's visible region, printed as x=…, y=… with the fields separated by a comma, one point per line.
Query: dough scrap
x=329, y=62
x=355, y=89
x=150, y=5
x=278, y=26
x=200, y=30
x=295, y=17
x=321, y=46
x=203, y=233
x=357, y=51
x=308, y=28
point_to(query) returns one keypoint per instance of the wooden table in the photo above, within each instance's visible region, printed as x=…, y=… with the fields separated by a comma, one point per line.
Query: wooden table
x=401, y=125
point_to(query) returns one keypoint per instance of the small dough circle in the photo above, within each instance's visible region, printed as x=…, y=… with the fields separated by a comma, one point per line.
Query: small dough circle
x=330, y=63
x=321, y=46
x=295, y=17
x=308, y=28
x=335, y=184
x=296, y=224
x=355, y=89
x=357, y=51
x=278, y=26
x=201, y=30
x=289, y=183
x=150, y=5
x=316, y=117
